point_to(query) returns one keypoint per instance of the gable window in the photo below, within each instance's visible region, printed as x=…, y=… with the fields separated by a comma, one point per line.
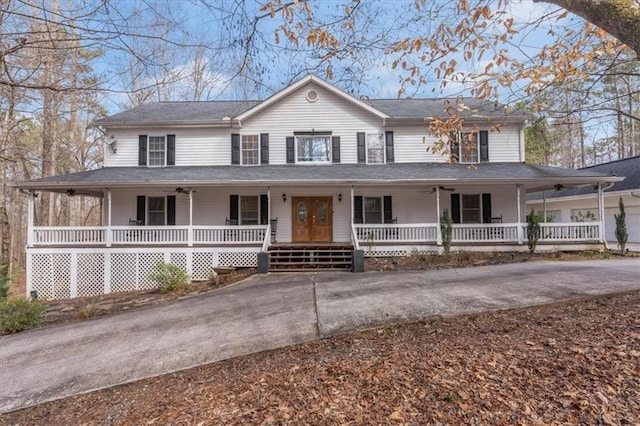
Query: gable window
x=375, y=148
x=313, y=149
x=156, y=211
x=157, y=151
x=471, y=212
x=249, y=210
x=250, y=150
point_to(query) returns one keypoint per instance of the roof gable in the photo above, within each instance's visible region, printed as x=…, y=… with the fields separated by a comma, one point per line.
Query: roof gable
x=298, y=85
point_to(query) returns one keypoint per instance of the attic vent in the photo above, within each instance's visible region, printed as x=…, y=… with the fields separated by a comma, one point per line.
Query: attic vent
x=312, y=96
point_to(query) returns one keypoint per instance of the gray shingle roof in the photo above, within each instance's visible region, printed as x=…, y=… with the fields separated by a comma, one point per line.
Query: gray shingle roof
x=435, y=107
x=214, y=111
x=187, y=112
x=629, y=168
x=319, y=175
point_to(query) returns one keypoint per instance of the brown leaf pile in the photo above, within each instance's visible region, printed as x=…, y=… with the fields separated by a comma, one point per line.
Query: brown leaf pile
x=568, y=363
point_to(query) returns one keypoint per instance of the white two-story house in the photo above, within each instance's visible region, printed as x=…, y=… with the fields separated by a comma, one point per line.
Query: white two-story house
x=306, y=177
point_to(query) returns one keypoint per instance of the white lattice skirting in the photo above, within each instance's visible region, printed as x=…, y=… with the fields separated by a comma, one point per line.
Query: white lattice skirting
x=63, y=273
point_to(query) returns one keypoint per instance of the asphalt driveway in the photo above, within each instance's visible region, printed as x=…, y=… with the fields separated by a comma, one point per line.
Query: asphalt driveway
x=268, y=312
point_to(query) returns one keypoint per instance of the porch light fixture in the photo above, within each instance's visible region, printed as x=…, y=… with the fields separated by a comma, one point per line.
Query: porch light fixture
x=71, y=192
x=340, y=197
x=284, y=197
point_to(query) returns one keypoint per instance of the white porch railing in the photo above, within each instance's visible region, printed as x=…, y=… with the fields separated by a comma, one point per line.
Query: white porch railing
x=474, y=233
x=392, y=233
x=147, y=235
x=485, y=233
x=574, y=231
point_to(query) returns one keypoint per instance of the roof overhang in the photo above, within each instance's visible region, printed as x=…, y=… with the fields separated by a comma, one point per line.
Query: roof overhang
x=301, y=83
x=409, y=174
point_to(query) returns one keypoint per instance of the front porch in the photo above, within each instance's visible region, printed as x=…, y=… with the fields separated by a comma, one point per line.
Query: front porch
x=65, y=262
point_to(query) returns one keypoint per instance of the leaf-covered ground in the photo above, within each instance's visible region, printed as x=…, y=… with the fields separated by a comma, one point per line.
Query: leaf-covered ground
x=567, y=363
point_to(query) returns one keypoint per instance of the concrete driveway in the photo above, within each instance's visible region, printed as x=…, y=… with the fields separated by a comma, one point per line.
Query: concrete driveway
x=267, y=312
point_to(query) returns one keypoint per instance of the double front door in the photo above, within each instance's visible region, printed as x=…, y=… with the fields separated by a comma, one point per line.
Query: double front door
x=312, y=219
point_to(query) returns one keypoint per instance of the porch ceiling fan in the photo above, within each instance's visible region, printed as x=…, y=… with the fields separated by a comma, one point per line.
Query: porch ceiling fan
x=442, y=188
x=182, y=190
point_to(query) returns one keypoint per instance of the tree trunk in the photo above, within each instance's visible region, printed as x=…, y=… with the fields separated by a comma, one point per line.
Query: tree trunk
x=620, y=18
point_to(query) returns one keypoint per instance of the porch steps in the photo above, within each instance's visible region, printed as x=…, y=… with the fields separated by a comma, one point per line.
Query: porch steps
x=285, y=258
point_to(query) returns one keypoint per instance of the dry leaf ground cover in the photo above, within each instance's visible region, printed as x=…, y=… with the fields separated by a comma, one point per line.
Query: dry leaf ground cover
x=568, y=363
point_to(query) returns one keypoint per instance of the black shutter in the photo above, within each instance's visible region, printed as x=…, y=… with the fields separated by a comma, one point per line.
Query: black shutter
x=171, y=150
x=264, y=148
x=362, y=154
x=357, y=209
x=484, y=145
x=291, y=154
x=233, y=207
x=171, y=209
x=235, y=148
x=388, y=213
x=142, y=150
x=141, y=206
x=264, y=209
x=455, y=208
x=388, y=139
x=455, y=147
x=335, y=149
x=486, y=208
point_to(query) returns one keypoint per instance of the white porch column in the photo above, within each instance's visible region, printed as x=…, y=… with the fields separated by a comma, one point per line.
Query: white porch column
x=30, y=214
x=438, y=230
x=268, y=204
x=601, y=213
x=352, y=197
x=519, y=210
x=544, y=205
x=109, y=236
x=190, y=230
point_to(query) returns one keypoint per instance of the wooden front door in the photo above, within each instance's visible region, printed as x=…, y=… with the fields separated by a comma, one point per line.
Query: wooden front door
x=312, y=219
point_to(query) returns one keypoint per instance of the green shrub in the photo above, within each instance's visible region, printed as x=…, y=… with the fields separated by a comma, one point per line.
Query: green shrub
x=4, y=282
x=622, y=235
x=21, y=314
x=169, y=277
x=533, y=231
x=446, y=229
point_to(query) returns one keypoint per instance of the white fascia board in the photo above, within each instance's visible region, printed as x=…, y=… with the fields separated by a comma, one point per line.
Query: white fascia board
x=301, y=83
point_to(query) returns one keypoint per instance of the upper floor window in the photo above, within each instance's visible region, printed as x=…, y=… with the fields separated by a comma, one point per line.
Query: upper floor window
x=468, y=147
x=313, y=149
x=250, y=150
x=375, y=148
x=156, y=151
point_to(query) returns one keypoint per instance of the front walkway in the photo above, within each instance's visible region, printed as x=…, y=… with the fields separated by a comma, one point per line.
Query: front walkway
x=267, y=312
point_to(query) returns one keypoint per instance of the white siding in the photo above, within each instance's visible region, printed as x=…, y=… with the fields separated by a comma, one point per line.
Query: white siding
x=212, y=146
x=328, y=113
x=194, y=147
x=504, y=146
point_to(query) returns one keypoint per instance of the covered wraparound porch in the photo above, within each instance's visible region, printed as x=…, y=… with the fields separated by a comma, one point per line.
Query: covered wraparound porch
x=393, y=210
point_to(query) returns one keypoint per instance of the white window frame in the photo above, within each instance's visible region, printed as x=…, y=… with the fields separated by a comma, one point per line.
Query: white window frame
x=364, y=209
x=328, y=145
x=164, y=151
x=462, y=152
x=241, y=219
x=242, y=150
x=462, y=208
x=380, y=136
x=149, y=211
